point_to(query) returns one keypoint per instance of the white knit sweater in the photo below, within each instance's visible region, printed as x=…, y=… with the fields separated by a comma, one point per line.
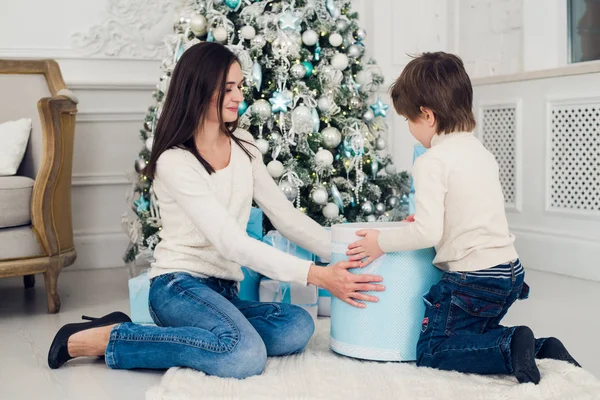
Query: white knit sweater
x=459, y=207
x=204, y=219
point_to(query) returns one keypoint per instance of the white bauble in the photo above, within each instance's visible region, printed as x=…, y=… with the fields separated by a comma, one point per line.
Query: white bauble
x=324, y=158
x=198, y=25
x=371, y=218
x=298, y=71
x=355, y=50
x=339, y=61
x=335, y=39
x=331, y=137
x=263, y=108
x=290, y=191
x=320, y=196
x=302, y=115
x=248, y=32
x=368, y=116
x=390, y=169
x=258, y=41
x=324, y=103
x=149, y=143
x=275, y=168
x=262, y=145
x=364, y=77
x=220, y=34
x=310, y=37
x=331, y=211
x=380, y=144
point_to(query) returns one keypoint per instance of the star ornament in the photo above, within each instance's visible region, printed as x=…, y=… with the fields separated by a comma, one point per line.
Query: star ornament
x=379, y=108
x=280, y=102
x=289, y=22
x=142, y=204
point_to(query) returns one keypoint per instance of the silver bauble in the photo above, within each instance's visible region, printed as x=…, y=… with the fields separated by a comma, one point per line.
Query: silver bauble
x=140, y=164
x=310, y=37
x=262, y=145
x=149, y=143
x=290, y=191
x=248, y=32
x=367, y=208
x=359, y=34
x=275, y=168
x=263, y=108
x=341, y=24
x=258, y=41
x=220, y=34
x=331, y=137
x=392, y=202
x=320, y=196
x=355, y=51
x=298, y=71
x=335, y=39
x=331, y=211
x=380, y=144
x=371, y=218
x=390, y=169
x=323, y=158
x=198, y=25
x=368, y=116
x=275, y=136
x=339, y=61
x=380, y=208
x=324, y=103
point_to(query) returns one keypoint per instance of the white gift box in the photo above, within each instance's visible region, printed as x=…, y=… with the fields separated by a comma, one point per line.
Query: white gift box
x=291, y=293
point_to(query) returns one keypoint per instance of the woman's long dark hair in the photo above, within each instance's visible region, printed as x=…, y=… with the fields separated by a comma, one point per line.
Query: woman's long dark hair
x=200, y=72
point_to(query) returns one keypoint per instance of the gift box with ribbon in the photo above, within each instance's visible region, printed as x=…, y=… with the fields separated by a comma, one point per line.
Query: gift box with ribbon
x=139, y=291
x=290, y=293
x=248, y=287
x=418, y=150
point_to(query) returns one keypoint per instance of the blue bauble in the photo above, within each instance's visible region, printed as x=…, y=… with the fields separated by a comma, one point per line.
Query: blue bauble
x=233, y=4
x=210, y=37
x=242, y=107
x=309, y=68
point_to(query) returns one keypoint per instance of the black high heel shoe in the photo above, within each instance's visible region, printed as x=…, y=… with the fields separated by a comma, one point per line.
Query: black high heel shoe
x=59, y=353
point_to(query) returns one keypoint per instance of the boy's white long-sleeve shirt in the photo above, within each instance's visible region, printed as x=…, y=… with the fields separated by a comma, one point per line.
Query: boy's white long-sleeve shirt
x=204, y=219
x=459, y=207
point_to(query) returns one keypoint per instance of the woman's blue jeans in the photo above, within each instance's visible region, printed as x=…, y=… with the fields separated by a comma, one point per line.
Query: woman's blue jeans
x=202, y=324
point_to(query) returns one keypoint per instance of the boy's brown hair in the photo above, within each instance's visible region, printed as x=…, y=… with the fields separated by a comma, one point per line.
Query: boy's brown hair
x=437, y=81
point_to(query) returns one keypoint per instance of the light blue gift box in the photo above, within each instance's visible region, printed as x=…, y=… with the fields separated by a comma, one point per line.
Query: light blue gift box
x=389, y=329
x=139, y=291
x=418, y=150
x=275, y=239
x=248, y=288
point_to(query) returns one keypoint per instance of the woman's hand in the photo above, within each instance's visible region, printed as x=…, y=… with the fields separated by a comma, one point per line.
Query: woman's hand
x=345, y=285
x=367, y=248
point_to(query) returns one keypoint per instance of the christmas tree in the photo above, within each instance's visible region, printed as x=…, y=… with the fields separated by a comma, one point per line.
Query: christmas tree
x=310, y=102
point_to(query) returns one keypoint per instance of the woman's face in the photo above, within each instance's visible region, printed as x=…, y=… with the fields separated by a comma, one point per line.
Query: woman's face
x=232, y=98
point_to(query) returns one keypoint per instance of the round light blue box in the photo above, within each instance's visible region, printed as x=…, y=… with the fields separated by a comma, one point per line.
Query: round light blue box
x=389, y=329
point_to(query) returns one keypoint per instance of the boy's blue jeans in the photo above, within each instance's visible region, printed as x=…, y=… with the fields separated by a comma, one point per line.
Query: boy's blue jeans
x=461, y=330
x=202, y=324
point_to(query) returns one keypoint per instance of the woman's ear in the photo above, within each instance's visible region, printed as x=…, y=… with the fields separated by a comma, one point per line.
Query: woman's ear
x=428, y=115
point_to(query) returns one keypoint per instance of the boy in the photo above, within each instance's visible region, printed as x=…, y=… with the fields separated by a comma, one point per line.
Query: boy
x=460, y=211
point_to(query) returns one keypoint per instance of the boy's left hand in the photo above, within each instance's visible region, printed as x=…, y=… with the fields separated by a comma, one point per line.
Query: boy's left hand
x=367, y=248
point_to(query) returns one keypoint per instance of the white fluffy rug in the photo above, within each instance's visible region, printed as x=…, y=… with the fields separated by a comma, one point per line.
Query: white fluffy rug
x=318, y=373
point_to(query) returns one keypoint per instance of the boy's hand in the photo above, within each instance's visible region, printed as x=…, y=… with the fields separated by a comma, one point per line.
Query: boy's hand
x=410, y=218
x=367, y=248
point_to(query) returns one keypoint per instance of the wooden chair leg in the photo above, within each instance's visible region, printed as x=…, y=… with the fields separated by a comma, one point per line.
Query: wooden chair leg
x=29, y=281
x=51, y=280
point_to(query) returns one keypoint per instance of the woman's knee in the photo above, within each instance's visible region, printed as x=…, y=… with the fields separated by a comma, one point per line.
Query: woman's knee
x=295, y=334
x=247, y=358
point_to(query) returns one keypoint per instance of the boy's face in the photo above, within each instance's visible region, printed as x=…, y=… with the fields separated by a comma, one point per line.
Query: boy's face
x=423, y=128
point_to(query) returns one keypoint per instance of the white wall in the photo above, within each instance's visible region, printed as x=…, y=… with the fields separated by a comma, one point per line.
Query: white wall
x=113, y=72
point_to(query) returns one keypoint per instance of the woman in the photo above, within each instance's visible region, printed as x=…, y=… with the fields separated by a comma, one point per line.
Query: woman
x=206, y=173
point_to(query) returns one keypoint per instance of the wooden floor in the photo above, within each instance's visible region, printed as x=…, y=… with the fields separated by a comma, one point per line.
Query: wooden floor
x=563, y=307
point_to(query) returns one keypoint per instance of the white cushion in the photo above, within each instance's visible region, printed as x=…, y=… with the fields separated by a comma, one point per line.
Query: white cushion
x=14, y=136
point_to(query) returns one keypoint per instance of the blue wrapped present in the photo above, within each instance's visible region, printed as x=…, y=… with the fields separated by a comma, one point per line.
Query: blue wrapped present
x=389, y=329
x=290, y=293
x=139, y=292
x=417, y=151
x=275, y=239
x=248, y=288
